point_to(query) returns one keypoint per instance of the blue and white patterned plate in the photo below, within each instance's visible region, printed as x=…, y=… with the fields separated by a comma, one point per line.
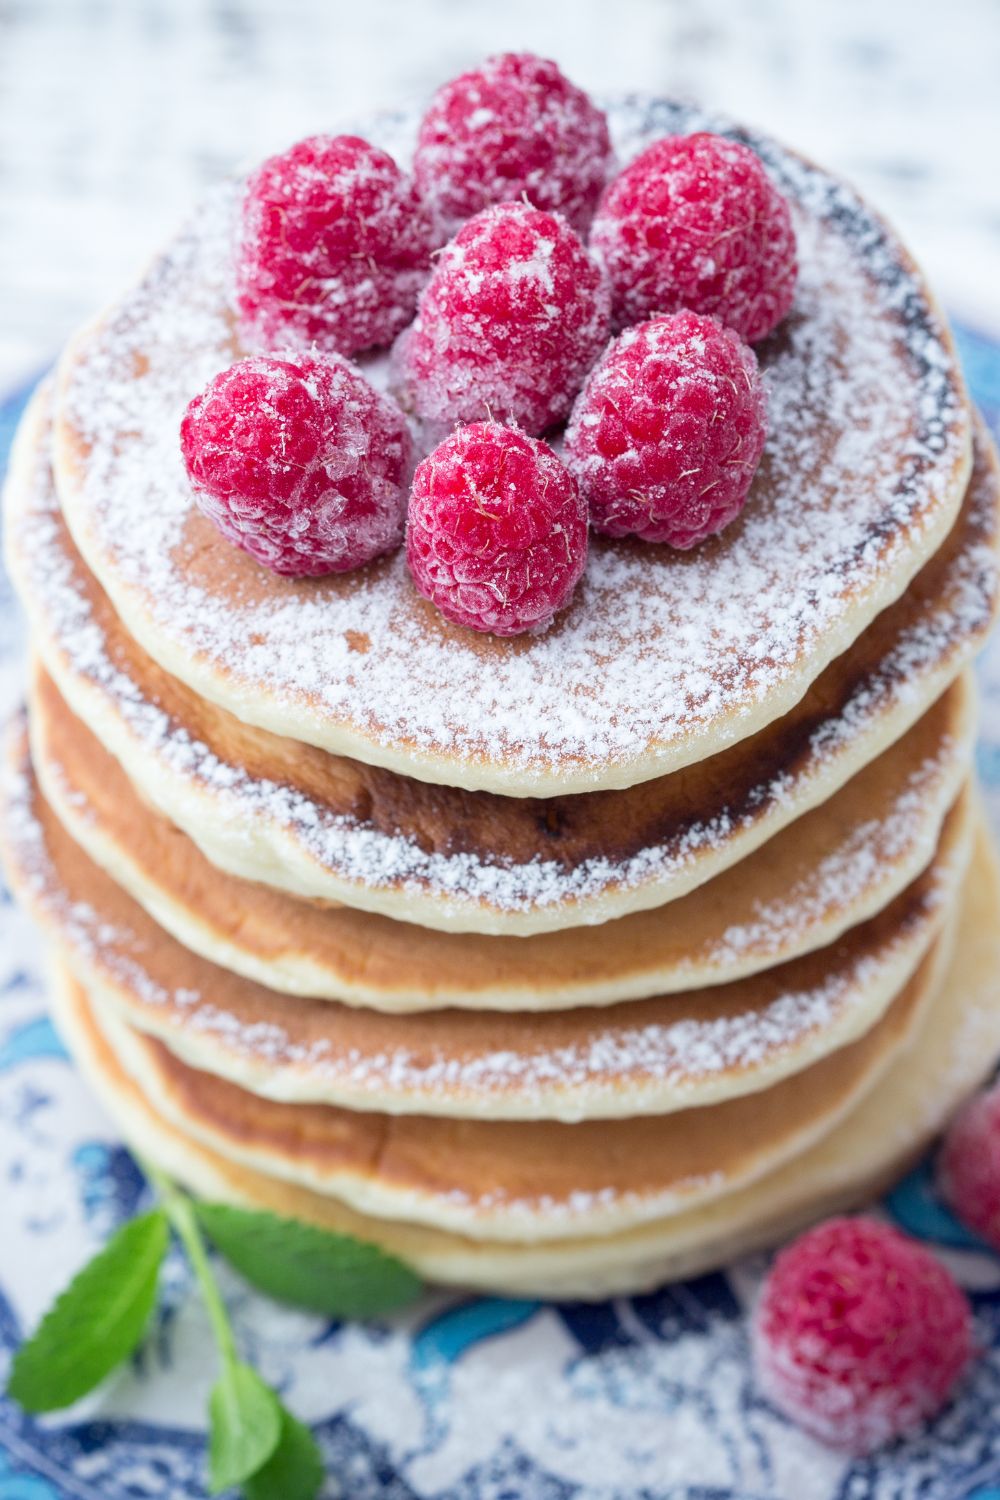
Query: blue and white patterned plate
x=649, y=1398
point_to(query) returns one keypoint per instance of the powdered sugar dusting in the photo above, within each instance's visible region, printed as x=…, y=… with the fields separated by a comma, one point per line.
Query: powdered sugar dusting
x=853, y=867
x=840, y=883
x=617, y=1049
x=352, y=850
x=867, y=433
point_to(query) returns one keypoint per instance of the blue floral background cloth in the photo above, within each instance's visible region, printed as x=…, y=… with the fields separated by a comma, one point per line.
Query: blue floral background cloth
x=650, y=1398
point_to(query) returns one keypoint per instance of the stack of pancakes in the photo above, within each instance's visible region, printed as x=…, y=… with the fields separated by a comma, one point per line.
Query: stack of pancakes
x=558, y=965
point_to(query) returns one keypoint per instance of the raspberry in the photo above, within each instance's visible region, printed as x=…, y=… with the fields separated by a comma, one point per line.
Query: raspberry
x=666, y=435
x=969, y=1166
x=514, y=127
x=496, y=535
x=860, y=1334
x=514, y=315
x=696, y=222
x=301, y=465
x=334, y=247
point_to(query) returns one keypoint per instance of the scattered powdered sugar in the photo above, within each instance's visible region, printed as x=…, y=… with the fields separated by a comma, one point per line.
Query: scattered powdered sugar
x=353, y=851
x=55, y=595
x=81, y=926
x=867, y=430
x=681, y=1055
x=905, y=833
x=853, y=867
x=616, y=1047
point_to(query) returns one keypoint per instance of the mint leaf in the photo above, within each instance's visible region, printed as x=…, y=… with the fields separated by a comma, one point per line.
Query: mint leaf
x=96, y=1322
x=295, y=1469
x=244, y=1426
x=328, y=1273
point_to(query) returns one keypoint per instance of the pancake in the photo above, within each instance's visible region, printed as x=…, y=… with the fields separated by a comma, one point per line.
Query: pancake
x=526, y=1179
x=638, y=1057
x=315, y=825
x=955, y=1050
x=663, y=659
x=829, y=871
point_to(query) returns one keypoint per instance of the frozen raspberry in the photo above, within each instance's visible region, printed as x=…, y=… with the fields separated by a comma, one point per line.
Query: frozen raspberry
x=513, y=317
x=514, y=127
x=969, y=1166
x=301, y=465
x=496, y=535
x=860, y=1334
x=666, y=435
x=696, y=222
x=334, y=247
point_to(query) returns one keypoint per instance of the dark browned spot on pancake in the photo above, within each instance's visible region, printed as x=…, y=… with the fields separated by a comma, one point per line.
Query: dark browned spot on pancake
x=361, y=807
x=552, y=819
x=359, y=641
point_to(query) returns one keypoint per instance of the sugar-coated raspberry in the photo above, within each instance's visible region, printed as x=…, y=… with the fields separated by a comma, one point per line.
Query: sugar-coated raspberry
x=860, y=1334
x=696, y=222
x=969, y=1165
x=334, y=247
x=666, y=435
x=496, y=534
x=514, y=127
x=302, y=465
x=511, y=320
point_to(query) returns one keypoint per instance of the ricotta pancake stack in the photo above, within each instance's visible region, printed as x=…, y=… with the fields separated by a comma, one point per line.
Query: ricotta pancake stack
x=558, y=964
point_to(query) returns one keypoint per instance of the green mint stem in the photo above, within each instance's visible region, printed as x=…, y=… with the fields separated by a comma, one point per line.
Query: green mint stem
x=180, y=1212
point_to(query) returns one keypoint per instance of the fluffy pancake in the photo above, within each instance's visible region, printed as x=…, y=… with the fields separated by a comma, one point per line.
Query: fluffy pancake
x=638, y=1057
x=955, y=1050
x=296, y=818
x=525, y=1179
x=662, y=660
x=831, y=870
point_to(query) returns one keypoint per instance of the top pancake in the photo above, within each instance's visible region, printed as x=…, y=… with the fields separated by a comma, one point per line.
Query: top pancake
x=663, y=658
x=280, y=813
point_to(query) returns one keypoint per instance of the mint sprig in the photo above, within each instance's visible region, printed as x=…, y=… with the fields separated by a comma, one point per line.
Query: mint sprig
x=295, y=1469
x=294, y=1262
x=101, y=1317
x=244, y=1414
x=245, y=1426
x=97, y=1322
